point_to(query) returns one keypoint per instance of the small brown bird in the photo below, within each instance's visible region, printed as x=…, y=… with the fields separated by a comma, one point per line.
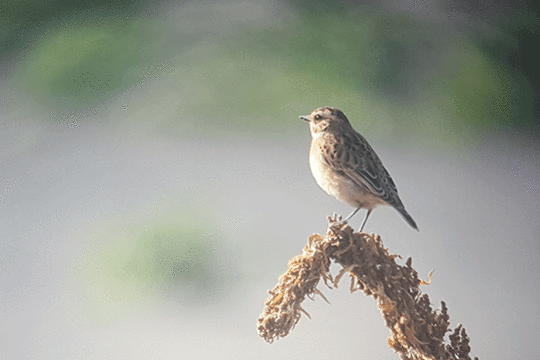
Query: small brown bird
x=346, y=166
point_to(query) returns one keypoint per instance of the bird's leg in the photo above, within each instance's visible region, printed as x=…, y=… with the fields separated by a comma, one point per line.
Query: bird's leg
x=365, y=219
x=352, y=214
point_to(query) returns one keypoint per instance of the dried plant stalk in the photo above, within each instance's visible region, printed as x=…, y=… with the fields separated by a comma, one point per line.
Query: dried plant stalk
x=417, y=331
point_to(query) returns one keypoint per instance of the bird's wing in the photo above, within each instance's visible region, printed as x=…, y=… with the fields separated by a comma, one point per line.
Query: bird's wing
x=353, y=156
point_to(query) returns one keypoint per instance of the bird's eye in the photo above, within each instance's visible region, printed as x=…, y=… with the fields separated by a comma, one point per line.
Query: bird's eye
x=317, y=117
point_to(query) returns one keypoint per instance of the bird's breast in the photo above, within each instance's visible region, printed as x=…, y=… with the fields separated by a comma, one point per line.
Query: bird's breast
x=337, y=184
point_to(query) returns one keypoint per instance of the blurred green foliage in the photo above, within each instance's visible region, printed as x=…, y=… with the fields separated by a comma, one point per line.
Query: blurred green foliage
x=84, y=63
x=480, y=90
x=174, y=256
x=388, y=67
x=22, y=19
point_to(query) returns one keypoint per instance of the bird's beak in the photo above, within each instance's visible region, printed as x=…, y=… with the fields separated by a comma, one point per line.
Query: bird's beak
x=305, y=118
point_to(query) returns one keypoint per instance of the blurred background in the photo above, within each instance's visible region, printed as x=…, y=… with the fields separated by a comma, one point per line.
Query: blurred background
x=154, y=178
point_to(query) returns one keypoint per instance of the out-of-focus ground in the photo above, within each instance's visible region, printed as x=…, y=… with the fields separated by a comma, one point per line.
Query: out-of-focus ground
x=154, y=178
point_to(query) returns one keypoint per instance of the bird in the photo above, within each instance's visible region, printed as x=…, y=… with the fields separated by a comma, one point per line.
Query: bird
x=346, y=167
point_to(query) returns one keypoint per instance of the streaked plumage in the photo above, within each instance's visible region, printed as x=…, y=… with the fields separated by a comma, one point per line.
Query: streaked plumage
x=346, y=166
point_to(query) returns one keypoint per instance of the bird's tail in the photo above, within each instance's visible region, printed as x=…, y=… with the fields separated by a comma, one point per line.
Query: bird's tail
x=408, y=218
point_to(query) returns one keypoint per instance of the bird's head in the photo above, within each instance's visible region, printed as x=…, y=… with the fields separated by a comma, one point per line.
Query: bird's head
x=326, y=119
